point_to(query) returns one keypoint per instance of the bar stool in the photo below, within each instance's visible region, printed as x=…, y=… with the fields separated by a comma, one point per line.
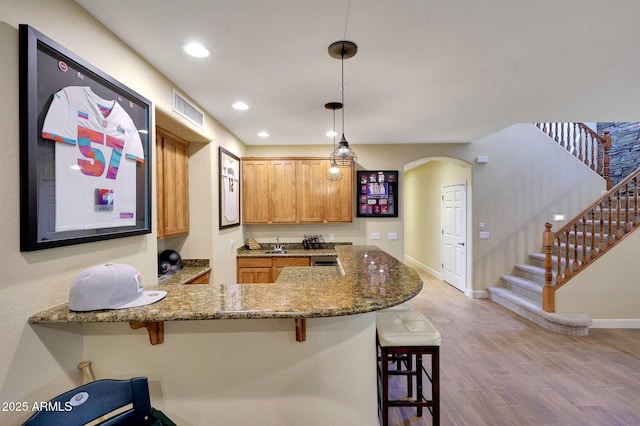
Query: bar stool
x=408, y=334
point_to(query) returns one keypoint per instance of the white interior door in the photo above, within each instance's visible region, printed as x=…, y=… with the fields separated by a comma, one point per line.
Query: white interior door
x=454, y=235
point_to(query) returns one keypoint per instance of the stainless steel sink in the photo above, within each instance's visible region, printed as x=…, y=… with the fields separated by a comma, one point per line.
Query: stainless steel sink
x=163, y=278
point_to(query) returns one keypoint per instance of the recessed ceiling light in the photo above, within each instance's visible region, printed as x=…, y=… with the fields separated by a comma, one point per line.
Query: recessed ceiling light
x=240, y=106
x=263, y=134
x=196, y=50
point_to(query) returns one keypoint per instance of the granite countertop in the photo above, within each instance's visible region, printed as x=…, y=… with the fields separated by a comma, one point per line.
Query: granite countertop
x=305, y=292
x=292, y=250
x=192, y=269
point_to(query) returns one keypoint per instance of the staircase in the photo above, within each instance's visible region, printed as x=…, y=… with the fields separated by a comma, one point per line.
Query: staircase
x=521, y=292
x=529, y=290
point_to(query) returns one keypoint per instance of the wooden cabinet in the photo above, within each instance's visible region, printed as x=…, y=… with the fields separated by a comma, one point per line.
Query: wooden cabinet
x=266, y=269
x=172, y=172
x=255, y=270
x=311, y=183
x=282, y=262
x=283, y=191
x=339, y=195
x=256, y=185
x=202, y=279
x=294, y=190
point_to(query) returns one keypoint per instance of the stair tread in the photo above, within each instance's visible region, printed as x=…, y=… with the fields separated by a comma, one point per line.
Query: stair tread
x=565, y=319
x=524, y=282
x=530, y=268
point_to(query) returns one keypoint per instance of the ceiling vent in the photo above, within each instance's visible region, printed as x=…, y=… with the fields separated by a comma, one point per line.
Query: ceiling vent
x=186, y=109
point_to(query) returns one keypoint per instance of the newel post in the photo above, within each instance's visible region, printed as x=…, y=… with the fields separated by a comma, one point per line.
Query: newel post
x=548, y=292
x=606, y=145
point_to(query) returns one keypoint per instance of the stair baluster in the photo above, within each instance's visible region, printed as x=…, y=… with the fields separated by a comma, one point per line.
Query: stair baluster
x=583, y=143
x=610, y=229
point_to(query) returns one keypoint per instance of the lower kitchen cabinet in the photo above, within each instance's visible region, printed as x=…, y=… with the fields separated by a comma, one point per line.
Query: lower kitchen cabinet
x=281, y=262
x=202, y=279
x=254, y=270
x=266, y=269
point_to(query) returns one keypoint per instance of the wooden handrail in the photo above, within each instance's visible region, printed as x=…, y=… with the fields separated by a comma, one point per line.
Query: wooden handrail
x=589, y=235
x=585, y=144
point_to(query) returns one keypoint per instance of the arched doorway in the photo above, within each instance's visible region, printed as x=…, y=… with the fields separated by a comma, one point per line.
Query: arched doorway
x=426, y=181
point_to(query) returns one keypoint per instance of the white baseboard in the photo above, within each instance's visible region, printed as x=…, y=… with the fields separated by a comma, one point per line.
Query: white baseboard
x=475, y=294
x=423, y=267
x=616, y=323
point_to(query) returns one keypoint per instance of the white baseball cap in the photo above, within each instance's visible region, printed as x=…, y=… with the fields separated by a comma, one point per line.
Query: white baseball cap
x=110, y=286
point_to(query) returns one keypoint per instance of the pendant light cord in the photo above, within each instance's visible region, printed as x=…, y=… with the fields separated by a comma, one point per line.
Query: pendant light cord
x=346, y=19
x=342, y=87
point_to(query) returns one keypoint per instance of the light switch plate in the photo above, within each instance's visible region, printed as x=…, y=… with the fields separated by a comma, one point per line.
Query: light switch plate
x=392, y=236
x=484, y=235
x=375, y=235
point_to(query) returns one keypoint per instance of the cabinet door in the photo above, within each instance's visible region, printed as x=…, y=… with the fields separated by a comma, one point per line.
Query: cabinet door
x=311, y=190
x=173, y=173
x=282, y=262
x=254, y=275
x=283, y=190
x=254, y=270
x=339, y=199
x=256, y=191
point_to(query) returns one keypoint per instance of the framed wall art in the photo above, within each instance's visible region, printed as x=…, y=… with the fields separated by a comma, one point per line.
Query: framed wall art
x=229, y=194
x=378, y=194
x=84, y=150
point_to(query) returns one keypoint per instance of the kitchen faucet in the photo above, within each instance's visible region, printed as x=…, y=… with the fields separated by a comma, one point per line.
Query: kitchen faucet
x=277, y=247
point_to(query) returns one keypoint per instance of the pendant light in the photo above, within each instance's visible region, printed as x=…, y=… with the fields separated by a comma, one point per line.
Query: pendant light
x=343, y=156
x=334, y=173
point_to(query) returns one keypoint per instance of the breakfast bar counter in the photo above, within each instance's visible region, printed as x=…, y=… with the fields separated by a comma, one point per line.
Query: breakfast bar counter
x=372, y=280
x=235, y=343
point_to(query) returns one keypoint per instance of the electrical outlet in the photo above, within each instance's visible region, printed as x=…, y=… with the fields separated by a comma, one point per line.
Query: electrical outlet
x=232, y=243
x=375, y=235
x=331, y=236
x=392, y=236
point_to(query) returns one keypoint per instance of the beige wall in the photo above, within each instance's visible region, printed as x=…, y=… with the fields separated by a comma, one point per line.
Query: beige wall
x=423, y=208
x=40, y=361
x=608, y=290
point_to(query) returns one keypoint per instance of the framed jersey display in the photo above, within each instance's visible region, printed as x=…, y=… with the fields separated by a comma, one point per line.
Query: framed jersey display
x=378, y=194
x=84, y=150
x=229, y=196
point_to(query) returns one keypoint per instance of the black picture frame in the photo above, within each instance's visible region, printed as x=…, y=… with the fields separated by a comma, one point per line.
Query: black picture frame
x=229, y=189
x=378, y=193
x=45, y=69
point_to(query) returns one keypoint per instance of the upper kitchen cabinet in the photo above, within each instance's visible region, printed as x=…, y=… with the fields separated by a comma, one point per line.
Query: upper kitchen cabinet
x=268, y=191
x=294, y=190
x=283, y=190
x=341, y=192
x=256, y=184
x=172, y=171
x=311, y=184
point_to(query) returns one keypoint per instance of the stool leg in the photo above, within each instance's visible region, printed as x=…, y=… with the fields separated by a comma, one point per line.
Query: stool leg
x=419, y=392
x=435, y=385
x=409, y=375
x=384, y=359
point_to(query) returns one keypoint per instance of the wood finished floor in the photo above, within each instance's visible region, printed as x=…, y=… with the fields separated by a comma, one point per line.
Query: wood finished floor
x=499, y=369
